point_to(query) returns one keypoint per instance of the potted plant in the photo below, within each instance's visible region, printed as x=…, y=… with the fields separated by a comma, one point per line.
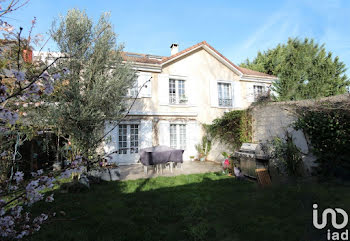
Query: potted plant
x=203, y=148
x=183, y=99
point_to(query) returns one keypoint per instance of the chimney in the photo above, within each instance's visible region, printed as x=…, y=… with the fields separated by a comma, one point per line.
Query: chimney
x=174, y=48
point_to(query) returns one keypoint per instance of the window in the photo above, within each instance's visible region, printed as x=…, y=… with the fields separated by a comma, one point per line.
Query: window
x=132, y=92
x=224, y=94
x=258, y=91
x=122, y=139
x=177, y=94
x=134, y=138
x=128, y=139
x=178, y=136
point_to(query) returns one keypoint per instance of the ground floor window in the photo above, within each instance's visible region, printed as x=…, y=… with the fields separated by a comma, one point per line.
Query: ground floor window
x=178, y=136
x=128, y=138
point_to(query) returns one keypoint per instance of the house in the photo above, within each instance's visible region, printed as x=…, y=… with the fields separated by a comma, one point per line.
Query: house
x=186, y=89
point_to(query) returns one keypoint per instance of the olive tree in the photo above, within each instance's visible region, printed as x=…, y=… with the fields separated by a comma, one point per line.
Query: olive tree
x=95, y=84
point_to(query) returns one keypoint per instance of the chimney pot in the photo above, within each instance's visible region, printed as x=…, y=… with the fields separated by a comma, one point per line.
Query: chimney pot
x=174, y=48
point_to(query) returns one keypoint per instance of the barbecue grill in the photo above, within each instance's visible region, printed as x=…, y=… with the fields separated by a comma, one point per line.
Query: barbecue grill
x=250, y=158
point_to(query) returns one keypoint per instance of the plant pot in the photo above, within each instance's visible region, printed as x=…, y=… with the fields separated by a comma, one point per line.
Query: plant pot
x=202, y=159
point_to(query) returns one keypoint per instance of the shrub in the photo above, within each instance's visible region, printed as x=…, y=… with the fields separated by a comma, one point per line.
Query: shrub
x=286, y=157
x=328, y=129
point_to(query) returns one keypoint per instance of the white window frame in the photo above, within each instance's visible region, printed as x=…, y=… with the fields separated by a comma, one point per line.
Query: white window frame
x=177, y=83
x=132, y=92
x=220, y=88
x=130, y=142
x=178, y=139
x=257, y=93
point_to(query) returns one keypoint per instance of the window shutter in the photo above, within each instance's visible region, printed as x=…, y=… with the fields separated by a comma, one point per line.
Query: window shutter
x=146, y=91
x=237, y=94
x=250, y=92
x=163, y=89
x=164, y=133
x=193, y=137
x=214, y=93
x=145, y=134
x=191, y=90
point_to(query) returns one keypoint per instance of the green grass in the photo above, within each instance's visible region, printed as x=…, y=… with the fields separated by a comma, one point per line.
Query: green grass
x=190, y=207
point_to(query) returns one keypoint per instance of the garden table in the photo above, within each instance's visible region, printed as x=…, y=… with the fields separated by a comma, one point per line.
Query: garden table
x=159, y=155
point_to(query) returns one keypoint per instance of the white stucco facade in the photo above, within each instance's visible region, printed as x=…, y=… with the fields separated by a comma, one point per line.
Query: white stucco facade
x=187, y=89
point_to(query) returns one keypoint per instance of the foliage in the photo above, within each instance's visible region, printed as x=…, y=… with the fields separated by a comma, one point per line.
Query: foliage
x=150, y=210
x=304, y=69
x=25, y=84
x=204, y=147
x=97, y=80
x=286, y=156
x=327, y=126
x=233, y=128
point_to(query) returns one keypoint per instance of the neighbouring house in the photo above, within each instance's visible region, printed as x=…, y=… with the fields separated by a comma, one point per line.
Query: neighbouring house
x=187, y=88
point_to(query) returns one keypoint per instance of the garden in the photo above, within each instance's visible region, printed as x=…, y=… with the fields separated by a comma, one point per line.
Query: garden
x=53, y=111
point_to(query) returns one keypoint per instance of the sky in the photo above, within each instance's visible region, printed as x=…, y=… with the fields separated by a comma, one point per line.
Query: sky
x=237, y=29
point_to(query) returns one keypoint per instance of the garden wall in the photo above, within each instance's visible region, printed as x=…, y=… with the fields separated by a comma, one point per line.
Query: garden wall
x=274, y=119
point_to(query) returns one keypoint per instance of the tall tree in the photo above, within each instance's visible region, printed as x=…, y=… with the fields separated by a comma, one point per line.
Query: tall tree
x=304, y=69
x=94, y=87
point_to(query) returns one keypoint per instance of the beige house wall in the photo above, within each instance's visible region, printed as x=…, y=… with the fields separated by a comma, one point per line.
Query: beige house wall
x=203, y=67
x=201, y=70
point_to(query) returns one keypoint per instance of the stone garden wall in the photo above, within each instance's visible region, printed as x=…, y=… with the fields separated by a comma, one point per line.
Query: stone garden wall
x=274, y=119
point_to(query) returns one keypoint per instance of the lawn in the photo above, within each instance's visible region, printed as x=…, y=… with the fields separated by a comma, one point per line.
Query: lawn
x=190, y=207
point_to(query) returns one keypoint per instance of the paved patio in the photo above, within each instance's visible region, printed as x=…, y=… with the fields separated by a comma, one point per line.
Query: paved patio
x=136, y=171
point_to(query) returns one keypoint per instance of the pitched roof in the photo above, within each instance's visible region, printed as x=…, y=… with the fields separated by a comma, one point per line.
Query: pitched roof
x=253, y=72
x=144, y=58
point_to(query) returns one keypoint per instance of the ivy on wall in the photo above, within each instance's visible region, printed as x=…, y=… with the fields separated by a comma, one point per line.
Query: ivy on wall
x=328, y=128
x=233, y=128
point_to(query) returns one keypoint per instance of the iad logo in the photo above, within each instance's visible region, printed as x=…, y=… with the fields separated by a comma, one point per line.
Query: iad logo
x=333, y=213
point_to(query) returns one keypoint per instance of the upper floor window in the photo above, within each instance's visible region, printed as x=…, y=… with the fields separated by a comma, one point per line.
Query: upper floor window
x=177, y=93
x=132, y=92
x=258, y=91
x=128, y=139
x=225, y=94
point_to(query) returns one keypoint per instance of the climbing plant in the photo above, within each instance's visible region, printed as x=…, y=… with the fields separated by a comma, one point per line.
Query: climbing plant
x=327, y=126
x=233, y=128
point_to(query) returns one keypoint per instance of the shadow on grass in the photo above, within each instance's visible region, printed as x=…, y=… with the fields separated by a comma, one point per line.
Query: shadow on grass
x=190, y=207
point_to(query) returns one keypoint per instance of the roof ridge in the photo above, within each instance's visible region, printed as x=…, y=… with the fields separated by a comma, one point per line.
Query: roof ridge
x=164, y=59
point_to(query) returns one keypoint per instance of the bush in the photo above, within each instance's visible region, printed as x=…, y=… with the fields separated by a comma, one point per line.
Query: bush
x=286, y=157
x=328, y=129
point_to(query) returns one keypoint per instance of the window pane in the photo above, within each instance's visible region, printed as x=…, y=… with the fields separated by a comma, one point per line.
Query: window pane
x=181, y=87
x=182, y=137
x=173, y=140
x=224, y=94
x=134, y=139
x=172, y=92
x=258, y=91
x=177, y=91
x=122, y=143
